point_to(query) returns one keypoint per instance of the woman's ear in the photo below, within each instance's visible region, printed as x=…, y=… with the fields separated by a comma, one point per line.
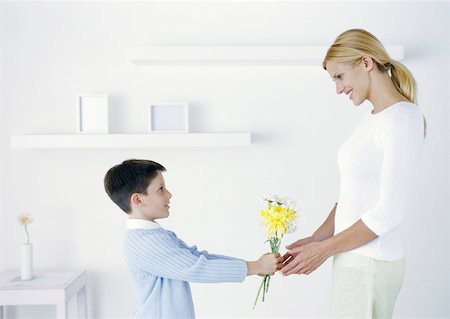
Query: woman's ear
x=367, y=63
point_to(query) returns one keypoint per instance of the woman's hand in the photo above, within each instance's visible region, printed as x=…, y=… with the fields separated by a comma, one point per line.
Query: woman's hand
x=306, y=254
x=301, y=242
x=305, y=257
x=287, y=256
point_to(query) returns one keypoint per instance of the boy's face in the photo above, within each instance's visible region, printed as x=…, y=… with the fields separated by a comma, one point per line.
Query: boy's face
x=154, y=204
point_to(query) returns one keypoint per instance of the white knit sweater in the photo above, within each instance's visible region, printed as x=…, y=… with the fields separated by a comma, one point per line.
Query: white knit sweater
x=375, y=164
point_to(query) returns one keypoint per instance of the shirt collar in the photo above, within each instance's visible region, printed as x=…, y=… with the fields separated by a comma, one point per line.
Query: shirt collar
x=134, y=223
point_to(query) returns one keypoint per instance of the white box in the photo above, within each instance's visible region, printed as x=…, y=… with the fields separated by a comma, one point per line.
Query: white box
x=92, y=113
x=168, y=117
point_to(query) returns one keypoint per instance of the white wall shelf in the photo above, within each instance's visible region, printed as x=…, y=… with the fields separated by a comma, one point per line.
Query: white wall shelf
x=131, y=140
x=236, y=55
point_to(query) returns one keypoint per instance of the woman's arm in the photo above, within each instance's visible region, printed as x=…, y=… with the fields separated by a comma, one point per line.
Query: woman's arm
x=305, y=259
x=326, y=230
x=353, y=237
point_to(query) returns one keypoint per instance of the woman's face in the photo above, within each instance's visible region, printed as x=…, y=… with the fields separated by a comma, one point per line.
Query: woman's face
x=351, y=80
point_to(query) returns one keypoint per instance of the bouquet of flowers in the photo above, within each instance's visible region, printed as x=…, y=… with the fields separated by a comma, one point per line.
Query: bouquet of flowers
x=279, y=217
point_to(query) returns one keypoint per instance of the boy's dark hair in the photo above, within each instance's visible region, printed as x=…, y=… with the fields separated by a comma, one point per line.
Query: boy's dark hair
x=131, y=176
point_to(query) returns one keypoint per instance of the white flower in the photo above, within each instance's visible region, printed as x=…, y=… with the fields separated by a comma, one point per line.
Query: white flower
x=24, y=219
x=273, y=199
x=268, y=199
x=291, y=203
x=291, y=227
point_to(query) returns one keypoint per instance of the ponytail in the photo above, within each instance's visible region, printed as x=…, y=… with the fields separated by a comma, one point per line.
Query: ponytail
x=403, y=81
x=405, y=84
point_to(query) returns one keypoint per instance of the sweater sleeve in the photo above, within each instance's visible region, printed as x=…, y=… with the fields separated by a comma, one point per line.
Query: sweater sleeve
x=161, y=253
x=198, y=253
x=401, y=138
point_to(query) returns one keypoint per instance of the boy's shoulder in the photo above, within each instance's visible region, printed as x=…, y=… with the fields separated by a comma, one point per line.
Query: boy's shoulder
x=147, y=232
x=150, y=241
x=150, y=234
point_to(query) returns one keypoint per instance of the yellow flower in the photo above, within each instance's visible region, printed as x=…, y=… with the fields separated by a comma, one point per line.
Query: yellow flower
x=24, y=219
x=278, y=220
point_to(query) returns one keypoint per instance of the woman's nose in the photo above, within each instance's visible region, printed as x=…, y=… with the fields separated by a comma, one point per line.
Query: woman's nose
x=339, y=88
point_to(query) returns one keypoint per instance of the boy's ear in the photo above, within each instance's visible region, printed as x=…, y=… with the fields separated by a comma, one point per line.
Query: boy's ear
x=135, y=199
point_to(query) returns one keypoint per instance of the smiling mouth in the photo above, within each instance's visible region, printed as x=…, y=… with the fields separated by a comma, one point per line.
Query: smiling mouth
x=350, y=94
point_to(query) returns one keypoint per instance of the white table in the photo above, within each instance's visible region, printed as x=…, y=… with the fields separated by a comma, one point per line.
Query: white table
x=48, y=287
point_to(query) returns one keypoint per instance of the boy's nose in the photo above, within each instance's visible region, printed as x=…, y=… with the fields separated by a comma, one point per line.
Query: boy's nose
x=339, y=88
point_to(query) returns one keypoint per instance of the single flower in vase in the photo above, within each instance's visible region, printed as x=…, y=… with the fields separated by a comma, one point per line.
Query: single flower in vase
x=25, y=220
x=279, y=217
x=26, y=265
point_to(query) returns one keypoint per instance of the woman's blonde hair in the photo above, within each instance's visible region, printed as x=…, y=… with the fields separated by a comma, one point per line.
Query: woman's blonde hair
x=351, y=45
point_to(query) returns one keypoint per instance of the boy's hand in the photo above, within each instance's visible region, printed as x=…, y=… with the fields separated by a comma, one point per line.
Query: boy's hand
x=267, y=264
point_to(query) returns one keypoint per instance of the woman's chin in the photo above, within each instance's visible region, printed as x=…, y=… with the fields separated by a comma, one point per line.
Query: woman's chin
x=356, y=102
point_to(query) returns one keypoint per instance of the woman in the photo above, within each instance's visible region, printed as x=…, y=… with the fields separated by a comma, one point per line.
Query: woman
x=375, y=164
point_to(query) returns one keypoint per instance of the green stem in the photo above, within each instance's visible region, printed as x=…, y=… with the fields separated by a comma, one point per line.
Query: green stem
x=267, y=283
x=274, y=247
x=264, y=288
x=259, y=290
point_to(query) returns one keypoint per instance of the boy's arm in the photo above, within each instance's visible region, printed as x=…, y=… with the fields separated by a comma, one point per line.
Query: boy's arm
x=196, y=252
x=266, y=264
x=162, y=254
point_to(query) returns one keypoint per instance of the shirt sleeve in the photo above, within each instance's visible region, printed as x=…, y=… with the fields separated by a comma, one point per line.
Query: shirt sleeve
x=161, y=253
x=401, y=138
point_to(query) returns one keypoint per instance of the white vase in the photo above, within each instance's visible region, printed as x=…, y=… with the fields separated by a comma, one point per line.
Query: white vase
x=26, y=262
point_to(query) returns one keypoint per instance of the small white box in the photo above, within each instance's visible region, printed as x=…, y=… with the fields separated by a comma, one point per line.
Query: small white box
x=92, y=113
x=168, y=117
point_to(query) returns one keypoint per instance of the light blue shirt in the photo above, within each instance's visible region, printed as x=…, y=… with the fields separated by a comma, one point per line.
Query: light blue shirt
x=162, y=266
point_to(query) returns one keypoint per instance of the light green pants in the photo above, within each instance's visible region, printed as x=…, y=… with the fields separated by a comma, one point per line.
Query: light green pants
x=364, y=287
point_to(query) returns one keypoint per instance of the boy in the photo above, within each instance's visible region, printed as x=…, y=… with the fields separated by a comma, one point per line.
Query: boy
x=161, y=264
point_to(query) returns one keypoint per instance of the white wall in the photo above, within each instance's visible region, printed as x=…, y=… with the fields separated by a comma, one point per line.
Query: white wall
x=54, y=51
x=3, y=145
